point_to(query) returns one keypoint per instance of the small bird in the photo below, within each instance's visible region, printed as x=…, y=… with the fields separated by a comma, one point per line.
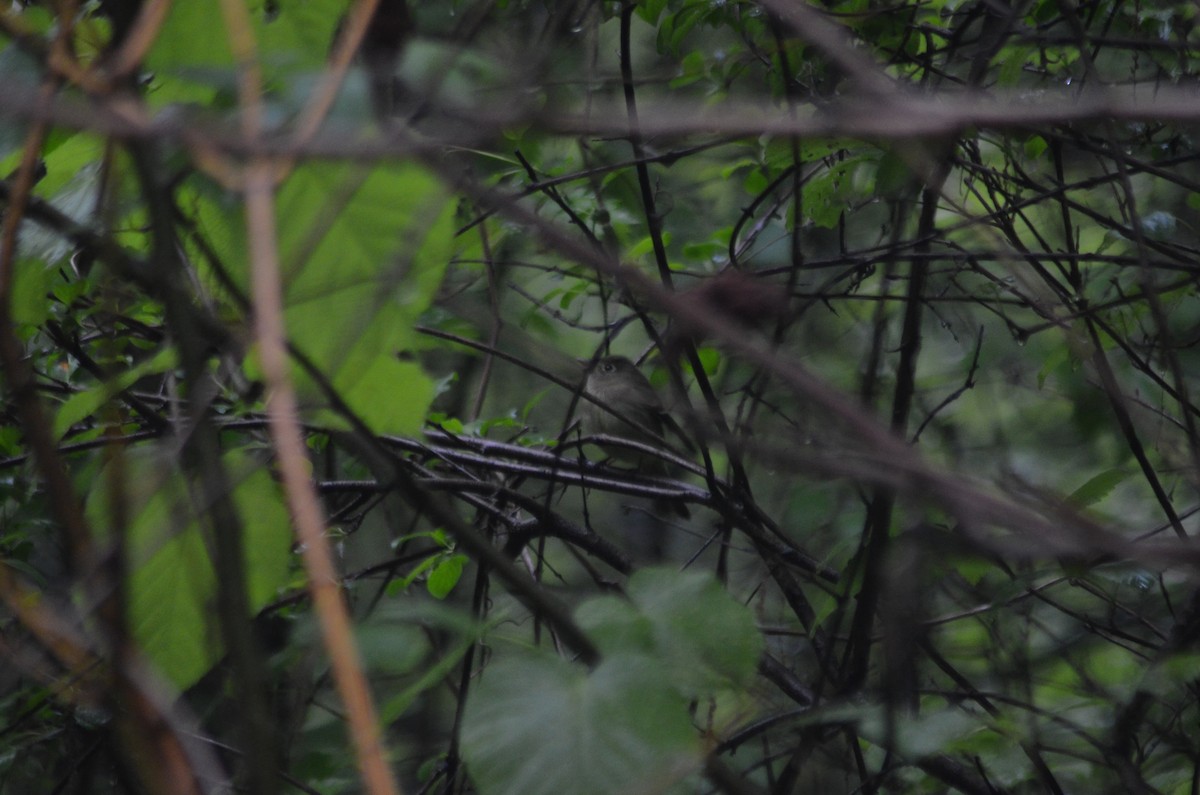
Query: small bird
x=636, y=414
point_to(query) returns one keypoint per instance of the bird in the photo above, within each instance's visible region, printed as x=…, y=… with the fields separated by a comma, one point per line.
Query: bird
x=634, y=412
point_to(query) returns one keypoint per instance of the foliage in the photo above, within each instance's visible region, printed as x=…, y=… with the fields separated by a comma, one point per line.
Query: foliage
x=917, y=279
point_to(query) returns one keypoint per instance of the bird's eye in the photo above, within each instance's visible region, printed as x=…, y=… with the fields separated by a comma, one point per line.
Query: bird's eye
x=608, y=367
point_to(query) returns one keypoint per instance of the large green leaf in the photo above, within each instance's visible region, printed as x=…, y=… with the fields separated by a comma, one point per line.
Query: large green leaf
x=32, y=280
x=300, y=33
x=172, y=585
x=191, y=56
x=537, y=725
x=703, y=638
x=363, y=252
x=193, y=36
x=288, y=33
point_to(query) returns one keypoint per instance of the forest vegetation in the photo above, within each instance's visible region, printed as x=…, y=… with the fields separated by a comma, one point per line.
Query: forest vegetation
x=298, y=300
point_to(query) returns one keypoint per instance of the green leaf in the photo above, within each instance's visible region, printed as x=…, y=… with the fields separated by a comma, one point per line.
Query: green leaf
x=363, y=252
x=445, y=576
x=73, y=166
x=828, y=194
x=192, y=60
x=532, y=403
x=447, y=661
x=389, y=647
x=32, y=281
x=288, y=33
x=701, y=637
x=451, y=425
x=266, y=528
x=710, y=360
x=1035, y=146
x=1098, y=487
x=192, y=35
x=300, y=33
x=646, y=245
x=537, y=725
x=10, y=439
x=649, y=10
x=388, y=395
x=172, y=582
x=540, y=725
x=755, y=182
x=691, y=69
x=401, y=584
